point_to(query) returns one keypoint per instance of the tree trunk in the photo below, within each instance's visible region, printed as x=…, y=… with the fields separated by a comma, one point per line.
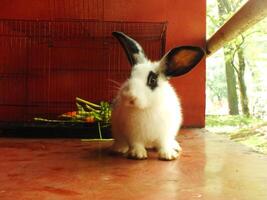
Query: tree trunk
x=241, y=82
x=224, y=8
x=231, y=83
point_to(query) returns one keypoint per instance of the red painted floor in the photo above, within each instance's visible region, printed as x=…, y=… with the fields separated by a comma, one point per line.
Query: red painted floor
x=209, y=167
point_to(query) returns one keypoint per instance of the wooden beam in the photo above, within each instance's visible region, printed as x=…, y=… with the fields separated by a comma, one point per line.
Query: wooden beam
x=251, y=13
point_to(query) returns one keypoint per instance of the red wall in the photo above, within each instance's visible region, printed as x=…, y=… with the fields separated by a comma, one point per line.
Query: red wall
x=186, y=26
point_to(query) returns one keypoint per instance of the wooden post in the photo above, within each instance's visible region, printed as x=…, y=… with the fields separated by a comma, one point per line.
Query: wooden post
x=251, y=13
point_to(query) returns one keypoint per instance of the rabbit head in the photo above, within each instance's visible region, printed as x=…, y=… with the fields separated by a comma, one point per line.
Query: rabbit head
x=148, y=79
x=146, y=112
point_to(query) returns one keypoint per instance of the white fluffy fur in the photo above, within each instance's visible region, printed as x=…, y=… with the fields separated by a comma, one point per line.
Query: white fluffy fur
x=142, y=118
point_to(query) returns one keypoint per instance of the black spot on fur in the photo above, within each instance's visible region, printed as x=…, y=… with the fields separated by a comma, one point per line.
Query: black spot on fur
x=152, y=80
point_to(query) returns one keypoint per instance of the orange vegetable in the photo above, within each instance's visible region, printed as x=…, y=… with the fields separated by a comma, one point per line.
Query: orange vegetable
x=71, y=114
x=90, y=119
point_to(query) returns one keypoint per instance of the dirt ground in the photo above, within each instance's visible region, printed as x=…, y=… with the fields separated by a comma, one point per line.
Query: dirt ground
x=252, y=133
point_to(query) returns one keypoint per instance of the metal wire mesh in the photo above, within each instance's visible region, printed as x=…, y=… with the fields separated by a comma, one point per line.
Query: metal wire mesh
x=44, y=65
x=76, y=9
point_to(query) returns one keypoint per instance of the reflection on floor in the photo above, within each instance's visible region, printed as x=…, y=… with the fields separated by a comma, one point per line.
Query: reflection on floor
x=209, y=167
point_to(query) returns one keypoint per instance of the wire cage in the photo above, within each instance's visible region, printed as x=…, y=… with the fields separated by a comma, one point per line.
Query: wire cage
x=46, y=64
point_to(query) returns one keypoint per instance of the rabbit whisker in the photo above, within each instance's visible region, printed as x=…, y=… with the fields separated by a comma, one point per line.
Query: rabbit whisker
x=115, y=82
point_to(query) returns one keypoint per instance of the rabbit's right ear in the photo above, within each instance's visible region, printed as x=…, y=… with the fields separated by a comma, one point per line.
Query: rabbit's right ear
x=181, y=60
x=133, y=49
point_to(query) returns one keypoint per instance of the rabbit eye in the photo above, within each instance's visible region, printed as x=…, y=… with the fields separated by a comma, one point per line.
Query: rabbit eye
x=152, y=80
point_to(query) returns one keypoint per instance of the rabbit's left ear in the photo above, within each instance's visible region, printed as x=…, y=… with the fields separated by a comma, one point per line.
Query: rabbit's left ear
x=181, y=60
x=132, y=48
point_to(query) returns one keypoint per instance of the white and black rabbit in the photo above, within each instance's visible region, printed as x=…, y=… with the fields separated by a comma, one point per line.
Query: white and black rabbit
x=147, y=112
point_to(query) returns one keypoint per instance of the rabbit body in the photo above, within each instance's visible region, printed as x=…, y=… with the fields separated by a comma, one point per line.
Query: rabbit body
x=152, y=121
x=146, y=111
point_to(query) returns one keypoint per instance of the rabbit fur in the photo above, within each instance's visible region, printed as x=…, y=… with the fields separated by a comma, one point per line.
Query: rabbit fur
x=146, y=112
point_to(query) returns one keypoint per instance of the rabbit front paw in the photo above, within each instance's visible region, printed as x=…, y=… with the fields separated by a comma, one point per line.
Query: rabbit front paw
x=119, y=147
x=176, y=146
x=137, y=152
x=168, y=154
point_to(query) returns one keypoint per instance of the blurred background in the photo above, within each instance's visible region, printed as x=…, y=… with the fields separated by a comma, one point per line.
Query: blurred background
x=236, y=86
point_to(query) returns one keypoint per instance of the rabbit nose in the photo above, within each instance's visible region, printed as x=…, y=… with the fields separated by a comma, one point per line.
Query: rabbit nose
x=132, y=100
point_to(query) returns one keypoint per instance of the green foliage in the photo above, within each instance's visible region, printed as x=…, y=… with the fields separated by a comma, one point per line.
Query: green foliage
x=253, y=136
x=216, y=82
x=230, y=120
x=215, y=20
x=86, y=112
x=254, y=46
x=249, y=131
x=212, y=18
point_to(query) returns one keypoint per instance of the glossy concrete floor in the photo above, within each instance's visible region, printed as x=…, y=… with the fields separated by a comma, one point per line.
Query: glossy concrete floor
x=209, y=167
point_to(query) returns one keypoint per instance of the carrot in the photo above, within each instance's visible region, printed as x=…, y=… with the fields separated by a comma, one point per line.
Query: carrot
x=90, y=119
x=71, y=114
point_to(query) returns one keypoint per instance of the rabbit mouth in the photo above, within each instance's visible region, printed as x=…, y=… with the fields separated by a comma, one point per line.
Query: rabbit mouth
x=133, y=103
x=130, y=102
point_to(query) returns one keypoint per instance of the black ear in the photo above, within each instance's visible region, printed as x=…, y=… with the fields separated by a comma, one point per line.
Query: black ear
x=133, y=49
x=181, y=60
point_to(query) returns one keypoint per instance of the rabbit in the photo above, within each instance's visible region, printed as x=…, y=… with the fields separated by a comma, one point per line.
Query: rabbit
x=146, y=113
